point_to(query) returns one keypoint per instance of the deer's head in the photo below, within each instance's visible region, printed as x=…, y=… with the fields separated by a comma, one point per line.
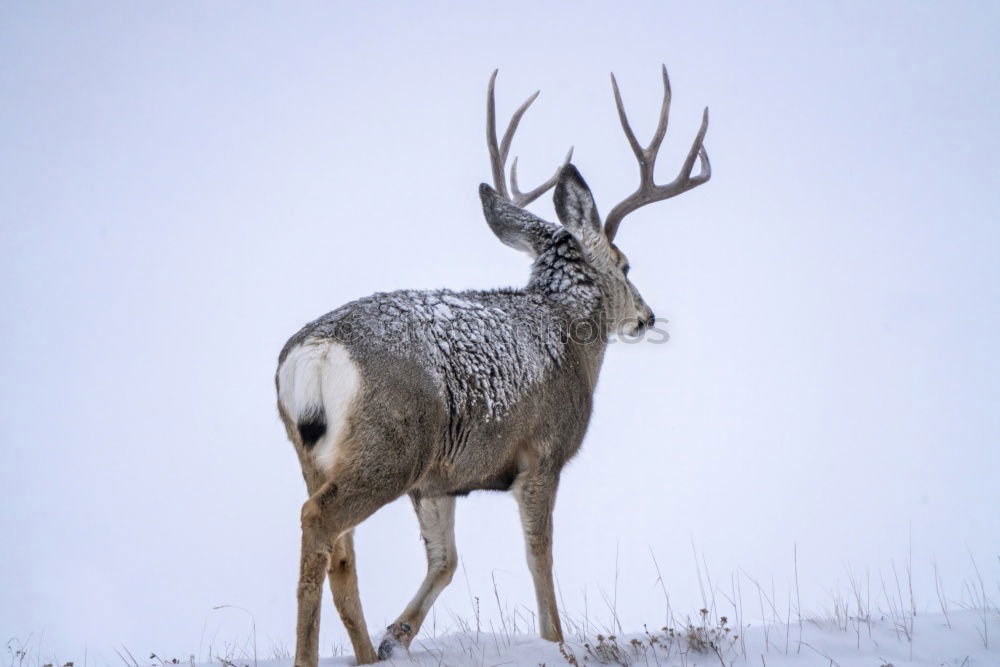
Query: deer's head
x=580, y=256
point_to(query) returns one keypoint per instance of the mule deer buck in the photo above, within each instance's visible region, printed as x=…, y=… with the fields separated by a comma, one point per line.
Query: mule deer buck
x=438, y=393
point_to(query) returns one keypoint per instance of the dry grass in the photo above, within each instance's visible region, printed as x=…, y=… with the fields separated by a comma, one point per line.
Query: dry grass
x=883, y=599
x=702, y=638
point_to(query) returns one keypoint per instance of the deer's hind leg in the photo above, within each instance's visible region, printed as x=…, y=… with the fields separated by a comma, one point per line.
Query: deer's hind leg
x=437, y=528
x=343, y=576
x=312, y=568
x=351, y=495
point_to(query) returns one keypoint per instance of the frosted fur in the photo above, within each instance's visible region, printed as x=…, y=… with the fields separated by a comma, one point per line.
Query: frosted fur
x=482, y=349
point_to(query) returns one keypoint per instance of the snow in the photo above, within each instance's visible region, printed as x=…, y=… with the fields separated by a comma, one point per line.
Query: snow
x=956, y=640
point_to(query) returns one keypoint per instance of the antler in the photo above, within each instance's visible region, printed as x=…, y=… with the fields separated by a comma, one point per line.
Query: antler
x=648, y=192
x=498, y=153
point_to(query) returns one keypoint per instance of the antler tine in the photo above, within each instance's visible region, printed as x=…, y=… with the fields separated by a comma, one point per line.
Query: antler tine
x=515, y=120
x=524, y=198
x=698, y=151
x=661, y=127
x=500, y=151
x=648, y=191
x=496, y=163
x=646, y=156
x=632, y=141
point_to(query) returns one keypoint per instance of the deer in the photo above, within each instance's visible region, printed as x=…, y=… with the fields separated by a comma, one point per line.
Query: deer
x=435, y=394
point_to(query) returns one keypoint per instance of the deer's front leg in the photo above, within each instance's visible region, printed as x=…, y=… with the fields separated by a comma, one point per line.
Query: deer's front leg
x=437, y=528
x=536, y=495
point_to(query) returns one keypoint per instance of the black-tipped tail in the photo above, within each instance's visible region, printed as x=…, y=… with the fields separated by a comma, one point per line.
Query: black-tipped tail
x=312, y=427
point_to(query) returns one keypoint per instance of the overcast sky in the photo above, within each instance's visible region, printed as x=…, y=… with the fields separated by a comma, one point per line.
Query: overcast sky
x=183, y=185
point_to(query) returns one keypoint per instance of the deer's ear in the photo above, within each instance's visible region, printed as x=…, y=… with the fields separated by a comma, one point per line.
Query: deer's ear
x=577, y=211
x=513, y=225
x=575, y=204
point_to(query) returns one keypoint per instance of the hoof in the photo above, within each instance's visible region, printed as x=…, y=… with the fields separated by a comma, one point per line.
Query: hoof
x=388, y=648
x=396, y=639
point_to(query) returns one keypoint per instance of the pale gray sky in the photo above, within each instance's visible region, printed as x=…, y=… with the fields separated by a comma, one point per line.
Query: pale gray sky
x=183, y=185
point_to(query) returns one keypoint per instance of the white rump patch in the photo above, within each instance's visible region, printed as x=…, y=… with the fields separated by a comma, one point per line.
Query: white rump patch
x=319, y=375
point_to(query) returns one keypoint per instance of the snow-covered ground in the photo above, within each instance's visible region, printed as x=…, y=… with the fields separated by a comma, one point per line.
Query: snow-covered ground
x=962, y=638
x=924, y=640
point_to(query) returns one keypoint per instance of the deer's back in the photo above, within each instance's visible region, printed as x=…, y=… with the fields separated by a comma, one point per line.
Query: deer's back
x=460, y=387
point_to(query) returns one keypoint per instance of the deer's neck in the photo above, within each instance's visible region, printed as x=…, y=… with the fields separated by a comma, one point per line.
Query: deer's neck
x=562, y=278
